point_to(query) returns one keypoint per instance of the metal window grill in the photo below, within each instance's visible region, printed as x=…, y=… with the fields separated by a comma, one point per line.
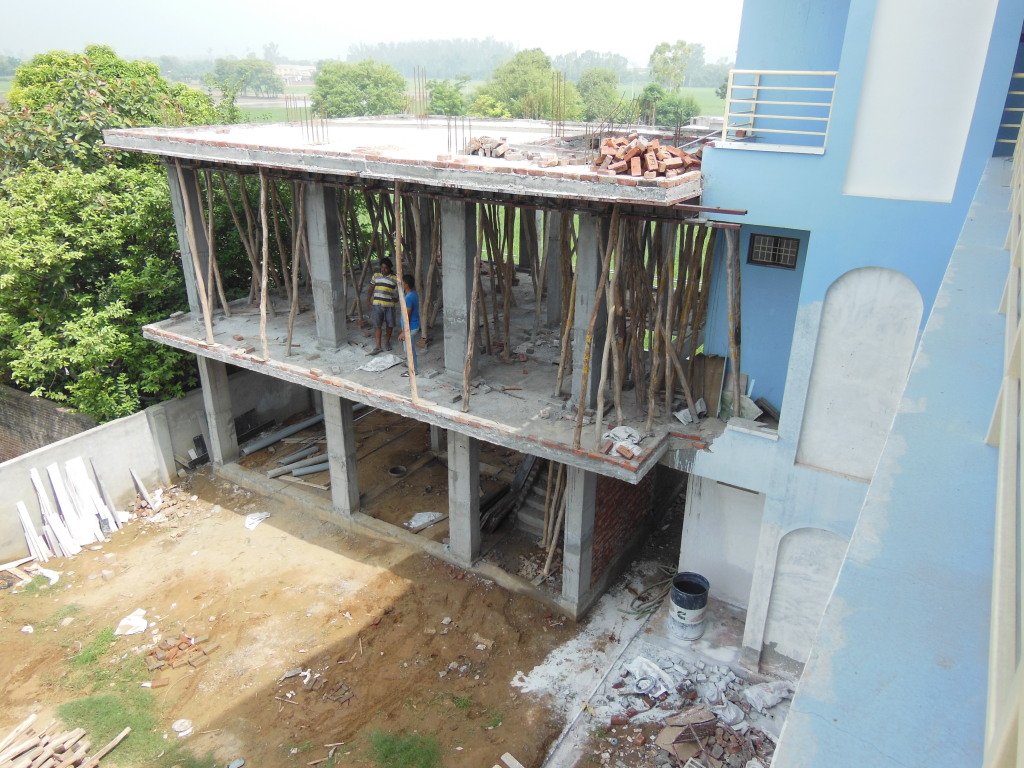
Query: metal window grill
x=774, y=251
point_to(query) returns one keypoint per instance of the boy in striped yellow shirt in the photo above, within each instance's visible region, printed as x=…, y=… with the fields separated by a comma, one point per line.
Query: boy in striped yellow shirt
x=383, y=296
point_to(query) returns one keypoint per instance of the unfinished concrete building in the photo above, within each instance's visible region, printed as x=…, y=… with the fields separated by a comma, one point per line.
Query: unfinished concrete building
x=529, y=347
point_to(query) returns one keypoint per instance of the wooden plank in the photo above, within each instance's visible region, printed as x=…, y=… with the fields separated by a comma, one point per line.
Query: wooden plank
x=714, y=379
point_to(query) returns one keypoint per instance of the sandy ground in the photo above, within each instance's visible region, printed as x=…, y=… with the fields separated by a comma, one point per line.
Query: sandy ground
x=394, y=625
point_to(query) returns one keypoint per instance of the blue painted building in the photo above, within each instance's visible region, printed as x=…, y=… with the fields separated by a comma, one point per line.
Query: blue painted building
x=857, y=136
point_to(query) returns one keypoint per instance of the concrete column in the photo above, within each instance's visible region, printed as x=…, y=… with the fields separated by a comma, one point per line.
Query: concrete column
x=426, y=208
x=760, y=595
x=589, y=255
x=553, y=266
x=341, y=454
x=223, y=443
x=463, y=497
x=578, y=555
x=180, y=199
x=458, y=240
x=438, y=440
x=329, y=295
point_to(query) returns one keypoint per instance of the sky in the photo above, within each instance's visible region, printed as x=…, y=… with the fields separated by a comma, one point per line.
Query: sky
x=318, y=29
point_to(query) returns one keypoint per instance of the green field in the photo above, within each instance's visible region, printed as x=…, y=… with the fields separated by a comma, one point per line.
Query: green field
x=263, y=114
x=709, y=103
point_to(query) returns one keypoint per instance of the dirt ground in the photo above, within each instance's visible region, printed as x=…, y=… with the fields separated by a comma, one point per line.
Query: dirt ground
x=423, y=647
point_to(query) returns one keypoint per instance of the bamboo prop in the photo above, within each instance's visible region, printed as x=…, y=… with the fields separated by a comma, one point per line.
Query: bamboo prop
x=539, y=271
x=606, y=353
x=346, y=255
x=190, y=233
x=471, y=336
x=672, y=286
x=213, y=278
x=508, y=280
x=264, y=297
x=732, y=266
x=353, y=233
x=547, y=502
x=263, y=249
x=656, y=345
x=554, y=538
x=692, y=285
x=417, y=232
x=245, y=235
x=409, y=361
x=588, y=339
x=483, y=313
x=556, y=498
x=567, y=248
x=493, y=247
x=570, y=318
x=707, y=269
x=298, y=232
x=431, y=307
x=617, y=351
x=276, y=208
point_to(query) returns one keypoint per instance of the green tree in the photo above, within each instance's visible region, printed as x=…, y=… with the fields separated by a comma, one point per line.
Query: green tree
x=599, y=90
x=650, y=100
x=446, y=97
x=522, y=88
x=60, y=103
x=668, y=64
x=367, y=87
x=250, y=75
x=676, y=110
x=485, y=105
x=8, y=64
x=86, y=258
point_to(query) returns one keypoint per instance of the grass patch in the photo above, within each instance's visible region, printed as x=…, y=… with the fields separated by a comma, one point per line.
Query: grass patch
x=93, y=651
x=404, y=750
x=37, y=586
x=91, y=671
x=495, y=719
x=105, y=715
x=65, y=611
x=462, y=702
x=263, y=114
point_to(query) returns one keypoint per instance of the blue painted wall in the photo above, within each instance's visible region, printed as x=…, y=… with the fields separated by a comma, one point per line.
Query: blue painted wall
x=769, y=298
x=799, y=34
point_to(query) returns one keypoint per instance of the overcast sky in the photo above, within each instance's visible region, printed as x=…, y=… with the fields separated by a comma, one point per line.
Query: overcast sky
x=318, y=29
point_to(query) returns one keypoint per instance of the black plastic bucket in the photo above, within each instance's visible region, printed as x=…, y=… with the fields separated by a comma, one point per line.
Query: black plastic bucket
x=689, y=602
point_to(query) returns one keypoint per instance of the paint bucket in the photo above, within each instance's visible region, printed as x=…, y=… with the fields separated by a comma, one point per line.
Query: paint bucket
x=689, y=602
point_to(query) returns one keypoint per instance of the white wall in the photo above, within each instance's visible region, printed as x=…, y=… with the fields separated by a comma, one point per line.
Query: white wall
x=720, y=533
x=924, y=67
x=866, y=341
x=805, y=572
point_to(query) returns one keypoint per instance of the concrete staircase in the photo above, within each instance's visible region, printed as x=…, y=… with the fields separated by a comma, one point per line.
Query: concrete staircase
x=530, y=515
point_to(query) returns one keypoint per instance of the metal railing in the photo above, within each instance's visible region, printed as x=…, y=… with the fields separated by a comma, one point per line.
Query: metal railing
x=1004, y=727
x=778, y=110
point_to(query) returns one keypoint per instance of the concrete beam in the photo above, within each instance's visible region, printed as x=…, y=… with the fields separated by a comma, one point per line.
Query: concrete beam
x=578, y=553
x=589, y=254
x=458, y=241
x=180, y=200
x=553, y=222
x=463, y=498
x=341, y=454
x=329, y=295
x=223, y=442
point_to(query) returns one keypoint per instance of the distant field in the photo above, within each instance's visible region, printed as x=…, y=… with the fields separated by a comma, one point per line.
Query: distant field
x=709, y=103
x=263, y=114
x=5, y=85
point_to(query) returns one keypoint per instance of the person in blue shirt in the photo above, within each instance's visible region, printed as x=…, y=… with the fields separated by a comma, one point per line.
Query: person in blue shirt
x=412, y=303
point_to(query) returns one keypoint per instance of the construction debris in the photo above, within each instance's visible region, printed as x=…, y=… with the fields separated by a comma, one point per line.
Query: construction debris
x=185, y=650
x=634, y=155
x=50, y=748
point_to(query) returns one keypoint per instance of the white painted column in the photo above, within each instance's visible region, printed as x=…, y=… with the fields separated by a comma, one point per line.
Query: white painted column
x=341, y=454
x=329, y=295
x=578, y=552
x=213, y=376
x=463, y=497
x=760, y=596
x=458, y=241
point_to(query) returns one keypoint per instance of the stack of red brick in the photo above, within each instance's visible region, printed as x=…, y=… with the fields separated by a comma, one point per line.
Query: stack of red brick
x=185, y=651
x=635, y=156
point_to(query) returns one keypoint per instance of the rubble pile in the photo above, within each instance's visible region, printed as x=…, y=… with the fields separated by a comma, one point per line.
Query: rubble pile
x=634, y=155
x=174, y=653
x=488, y=146
x=700, y=711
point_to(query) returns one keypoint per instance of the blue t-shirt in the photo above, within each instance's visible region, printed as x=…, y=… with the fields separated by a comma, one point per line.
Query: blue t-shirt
x=412, y=303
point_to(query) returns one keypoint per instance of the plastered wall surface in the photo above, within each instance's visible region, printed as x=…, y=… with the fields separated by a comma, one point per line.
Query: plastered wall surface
x=720, y=534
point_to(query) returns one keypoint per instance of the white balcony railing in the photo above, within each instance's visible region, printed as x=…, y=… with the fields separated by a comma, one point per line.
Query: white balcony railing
x=778, y=110
x=1004, y=729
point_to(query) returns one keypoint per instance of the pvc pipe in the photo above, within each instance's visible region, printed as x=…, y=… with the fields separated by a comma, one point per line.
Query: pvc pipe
x=291, y=458
x=280, y=435
x=311, y=470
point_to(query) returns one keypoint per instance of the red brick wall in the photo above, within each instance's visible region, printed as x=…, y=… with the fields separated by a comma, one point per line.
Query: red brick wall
x=27, y=423
x=621, y=509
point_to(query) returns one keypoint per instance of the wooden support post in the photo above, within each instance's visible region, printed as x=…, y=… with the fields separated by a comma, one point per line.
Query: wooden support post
x=732, y=264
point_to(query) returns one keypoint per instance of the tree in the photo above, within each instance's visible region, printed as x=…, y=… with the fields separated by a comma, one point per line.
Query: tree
x=60, y=103
x=668, y=64
x=8, y=64
x=574, y=64
x=446, y=97
x=272, y=53
x=472, y=59
x=521, y=87
x=722, y=90
x=251, y=75
x=599, y=90
x=677, y=110
x=367, y=87
x=650, y=99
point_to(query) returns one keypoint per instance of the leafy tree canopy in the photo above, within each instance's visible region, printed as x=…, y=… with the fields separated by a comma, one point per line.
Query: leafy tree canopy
x=676, y=110
x=86, y=258
x=446, y=97
x=8, y=64
x=599, y=89
x=521, y=87
x=669, y=62
x=367, y=87
x=443, y=59
x=60, y=103
x=251, y=75
x=574, y=64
